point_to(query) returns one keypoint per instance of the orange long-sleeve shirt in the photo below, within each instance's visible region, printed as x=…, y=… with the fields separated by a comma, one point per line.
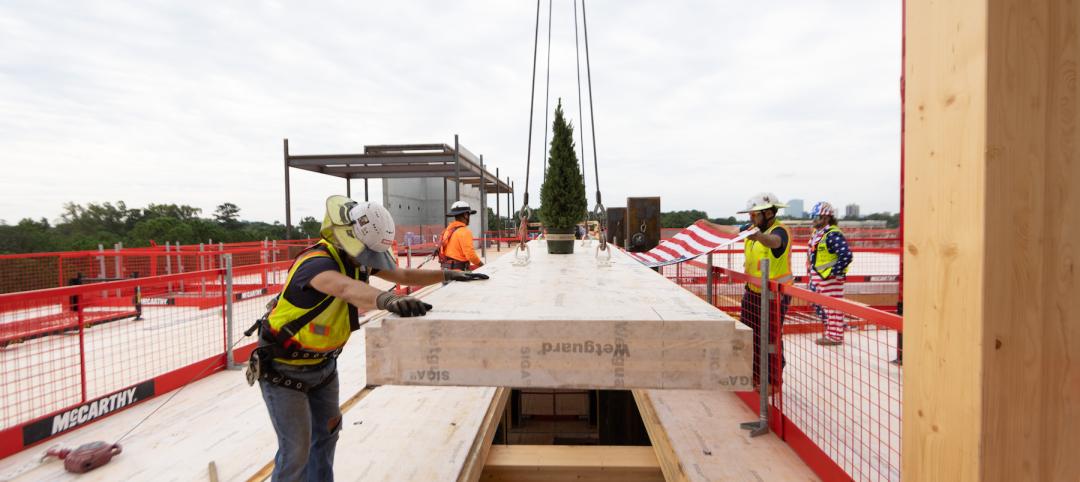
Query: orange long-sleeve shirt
x=460, y=245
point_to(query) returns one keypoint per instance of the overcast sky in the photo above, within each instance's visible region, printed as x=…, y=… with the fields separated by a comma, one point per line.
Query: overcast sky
x=700, y=102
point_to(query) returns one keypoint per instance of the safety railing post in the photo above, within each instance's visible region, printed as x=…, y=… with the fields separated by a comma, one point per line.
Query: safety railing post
x=761, y=425
x=202, y=267
x=101, y=261
x=709, y=279
x=179, y=264
x=82, y=348
x=168, y=264
x=228, y=262
x=116, y=262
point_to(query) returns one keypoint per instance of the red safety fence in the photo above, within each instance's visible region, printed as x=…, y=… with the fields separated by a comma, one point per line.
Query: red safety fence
x=35, y=271
x=74, y=354
x=836, y=405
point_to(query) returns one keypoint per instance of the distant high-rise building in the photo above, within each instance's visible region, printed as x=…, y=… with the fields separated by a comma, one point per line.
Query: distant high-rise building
x=795, y=208
x=851, y=211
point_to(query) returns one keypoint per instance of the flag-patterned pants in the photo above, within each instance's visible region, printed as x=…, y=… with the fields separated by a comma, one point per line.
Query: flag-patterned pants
x=833, y=319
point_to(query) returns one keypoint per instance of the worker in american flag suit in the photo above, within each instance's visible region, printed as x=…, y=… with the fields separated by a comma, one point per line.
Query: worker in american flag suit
x=827, y=261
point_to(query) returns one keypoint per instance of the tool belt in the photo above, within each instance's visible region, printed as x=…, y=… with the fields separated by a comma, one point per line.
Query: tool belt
x=451, y=263
x=261, y=367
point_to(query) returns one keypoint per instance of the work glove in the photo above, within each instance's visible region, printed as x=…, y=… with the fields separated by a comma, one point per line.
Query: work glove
x=455, y=275
x=404, y=306
x=746, y=226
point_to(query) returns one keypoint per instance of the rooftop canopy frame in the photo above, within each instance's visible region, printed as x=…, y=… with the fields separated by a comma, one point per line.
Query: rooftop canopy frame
x=398, y=161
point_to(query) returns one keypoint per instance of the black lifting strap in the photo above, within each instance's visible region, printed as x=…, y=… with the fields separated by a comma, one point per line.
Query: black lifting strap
x=293, y=327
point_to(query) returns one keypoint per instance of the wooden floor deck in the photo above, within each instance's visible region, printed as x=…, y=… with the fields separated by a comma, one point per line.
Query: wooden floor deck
x=390, y=433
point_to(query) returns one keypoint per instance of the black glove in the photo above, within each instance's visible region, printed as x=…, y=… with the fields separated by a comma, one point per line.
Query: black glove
x=404, y=306
x=455, y=275
x=746, y=226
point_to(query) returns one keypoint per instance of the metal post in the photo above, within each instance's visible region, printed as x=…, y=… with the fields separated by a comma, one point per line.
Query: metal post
x=288, y=208
x=179, y=263
x=761, y=425
x=483, y=210
x=168, y=264
x=457, y=170
x=899, y=360
x=116, y=262
x=365, y=190
x=408, y=264
x=82, y=350
x=230, y=362
x=101, y=261
x=498, y=216
x=709, y=281
x=445, y=208
x=348, y=186
x=202, y=267
x=513, y=203
x=263, y=259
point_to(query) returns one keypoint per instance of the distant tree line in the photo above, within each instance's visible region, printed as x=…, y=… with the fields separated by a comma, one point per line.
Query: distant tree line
x=682, y=219
x=85, y=227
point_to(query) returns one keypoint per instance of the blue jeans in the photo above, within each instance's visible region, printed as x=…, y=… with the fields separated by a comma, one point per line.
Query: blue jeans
x=307, y=424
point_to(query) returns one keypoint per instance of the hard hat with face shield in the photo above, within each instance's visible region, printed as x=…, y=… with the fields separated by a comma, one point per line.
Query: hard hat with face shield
x=363, y=230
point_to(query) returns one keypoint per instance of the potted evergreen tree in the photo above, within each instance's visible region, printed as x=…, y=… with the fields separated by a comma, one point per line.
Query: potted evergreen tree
x=562, y=197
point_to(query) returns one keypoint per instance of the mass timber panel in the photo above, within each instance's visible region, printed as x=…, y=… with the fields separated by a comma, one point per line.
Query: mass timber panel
x=992, y=386
x=563, y=322
x=571, y=463
x=696, y=437
x=418, y=434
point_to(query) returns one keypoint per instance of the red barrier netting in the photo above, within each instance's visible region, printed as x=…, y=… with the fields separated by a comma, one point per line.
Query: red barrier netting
x=838, y=406
x=35, y=271
x=61, y=348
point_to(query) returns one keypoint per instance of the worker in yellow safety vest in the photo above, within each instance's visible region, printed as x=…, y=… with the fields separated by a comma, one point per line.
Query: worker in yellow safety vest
x=827, y=259
x=319, y=307
x=770, y=240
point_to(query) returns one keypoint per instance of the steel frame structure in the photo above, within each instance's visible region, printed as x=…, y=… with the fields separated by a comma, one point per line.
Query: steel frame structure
x=400, y=161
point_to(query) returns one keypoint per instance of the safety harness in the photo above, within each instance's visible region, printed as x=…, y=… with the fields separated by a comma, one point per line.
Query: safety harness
x=280, y=345
x=446, y=261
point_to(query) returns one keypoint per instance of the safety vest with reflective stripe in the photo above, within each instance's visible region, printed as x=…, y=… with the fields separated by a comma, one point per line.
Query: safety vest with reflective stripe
x=330, y=329
x=823, y=259
x=779, y=268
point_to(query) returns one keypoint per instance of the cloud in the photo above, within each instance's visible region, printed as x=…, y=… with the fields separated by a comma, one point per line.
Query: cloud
x=702, y=103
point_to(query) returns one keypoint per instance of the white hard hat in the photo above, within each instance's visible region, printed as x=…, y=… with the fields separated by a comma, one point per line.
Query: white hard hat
x=460, y=207
x=761, y=201
x=364, y=230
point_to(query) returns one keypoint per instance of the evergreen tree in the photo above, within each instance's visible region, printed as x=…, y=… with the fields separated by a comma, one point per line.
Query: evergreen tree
x=562, y=197
x=227, y=214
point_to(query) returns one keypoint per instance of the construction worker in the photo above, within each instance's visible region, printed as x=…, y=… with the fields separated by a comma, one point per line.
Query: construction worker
x=828, y=258
x=456, y=245
x=771, y=241
x=300, y=339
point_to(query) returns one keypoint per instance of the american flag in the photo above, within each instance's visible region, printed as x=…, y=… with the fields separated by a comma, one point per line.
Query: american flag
x=694, y=241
